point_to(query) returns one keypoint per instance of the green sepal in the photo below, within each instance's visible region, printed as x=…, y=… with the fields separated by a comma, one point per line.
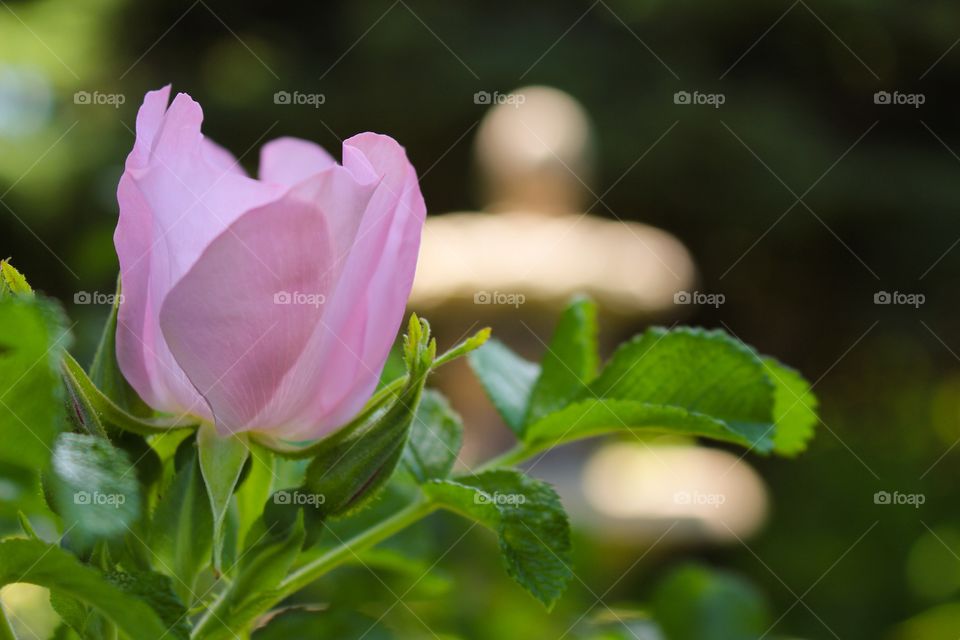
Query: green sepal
x=108, y=412
x=222, y=459
x=351, y=467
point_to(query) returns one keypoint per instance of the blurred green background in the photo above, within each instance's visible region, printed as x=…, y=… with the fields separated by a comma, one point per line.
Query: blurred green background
x=883, y=214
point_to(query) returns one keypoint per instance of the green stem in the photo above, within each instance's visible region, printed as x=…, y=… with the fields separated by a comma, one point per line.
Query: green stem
x=6, y=631
x=210, y=624
x=351, y=548
x=509, y=458
x=317, y=567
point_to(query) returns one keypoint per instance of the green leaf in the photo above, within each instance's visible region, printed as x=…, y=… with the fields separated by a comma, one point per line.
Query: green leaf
x=221, y=461
x=688, y=382
x=45, y=565
x=94, y=488
x=12, y=281
x=182, y=525
x=529, y=520
x=696, y=603
x=597, y=417
x=86, y=621
x=156, y=590
x=570, y=362
x=32, y=398
x=508, y=380
x=435, y=438
x=105, y=372
x=148, y=586
x=704, y=372
x=795, y=409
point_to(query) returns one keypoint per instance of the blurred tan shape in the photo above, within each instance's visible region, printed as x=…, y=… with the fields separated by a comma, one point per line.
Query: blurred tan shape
x=535, y=154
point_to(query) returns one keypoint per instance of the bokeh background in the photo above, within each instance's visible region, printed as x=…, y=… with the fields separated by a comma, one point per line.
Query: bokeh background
x=879, y=211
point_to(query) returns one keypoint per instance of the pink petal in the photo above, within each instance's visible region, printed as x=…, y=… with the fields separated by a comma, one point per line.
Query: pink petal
x=367, y=306
x=178, y=192
x=241, y=346
x=220, y=158
x=288, y=161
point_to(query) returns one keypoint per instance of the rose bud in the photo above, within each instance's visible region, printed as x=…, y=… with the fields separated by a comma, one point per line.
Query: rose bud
x=266, y=304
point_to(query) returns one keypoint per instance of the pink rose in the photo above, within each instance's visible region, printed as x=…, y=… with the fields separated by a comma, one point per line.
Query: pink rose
x=263, y=304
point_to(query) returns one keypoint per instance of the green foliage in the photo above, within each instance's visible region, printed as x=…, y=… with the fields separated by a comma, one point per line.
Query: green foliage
x=435, y=438
x=157, y=591
x=570, y=361
x=152, y=588
x=253, y=591
x=109, y=413
x=12, y=281
x=686, y=381
x=596, y=417
x=221, y=461
x=795, y=410
x=466, y=347
x=32, y=400
x=171, y=511
x=254, y=489
x=508, y=380
x=696, y=603
x=94, y=488
x=425, y=576
x=181, y=530
x=704, y=372
x=310, y=622
x=45, y=565
x=529, y=520
x=85, y=621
